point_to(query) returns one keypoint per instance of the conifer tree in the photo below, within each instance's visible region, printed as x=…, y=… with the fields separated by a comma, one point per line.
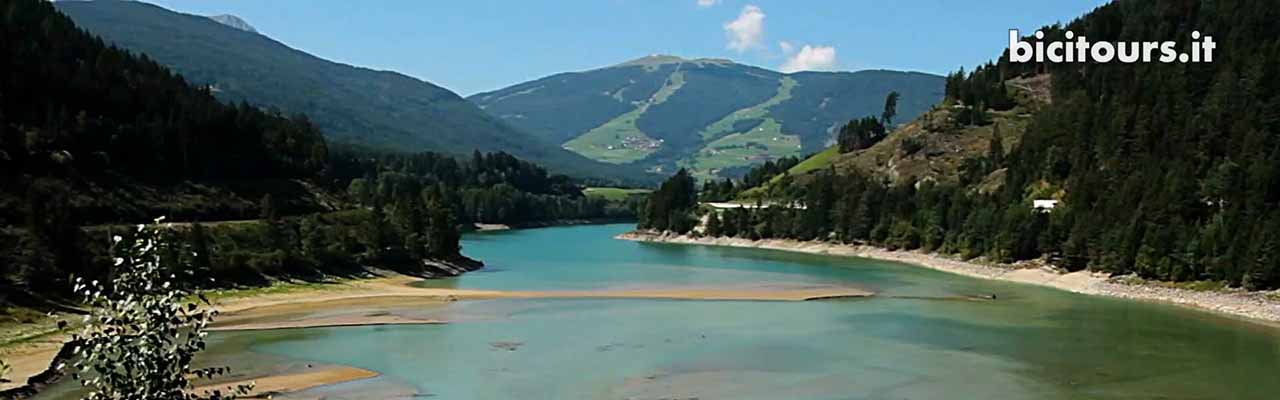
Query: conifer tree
x=890, y=108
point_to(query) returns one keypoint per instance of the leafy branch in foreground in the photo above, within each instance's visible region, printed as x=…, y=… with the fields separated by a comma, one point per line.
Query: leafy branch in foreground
x=139, y=340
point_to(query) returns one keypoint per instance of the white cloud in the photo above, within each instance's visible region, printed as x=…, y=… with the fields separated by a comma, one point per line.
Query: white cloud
x=747, y=31
x=787, y=47
x=810, y=58
x=707, y=3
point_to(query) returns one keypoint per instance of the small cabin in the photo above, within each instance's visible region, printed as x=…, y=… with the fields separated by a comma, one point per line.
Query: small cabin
x=721, y=206
x=1043, y=206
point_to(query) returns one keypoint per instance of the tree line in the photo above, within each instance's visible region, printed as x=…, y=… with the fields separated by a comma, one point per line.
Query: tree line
x=978, y=91
x=492, y=188
x=864, y=132
x=727, y=189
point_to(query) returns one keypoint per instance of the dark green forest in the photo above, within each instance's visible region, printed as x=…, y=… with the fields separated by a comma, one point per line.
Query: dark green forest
x=860, y=134
x=1167, y=171
x=94, y=138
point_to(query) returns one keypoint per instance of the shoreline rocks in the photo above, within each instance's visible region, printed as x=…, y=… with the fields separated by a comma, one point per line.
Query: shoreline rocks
x=451, y=267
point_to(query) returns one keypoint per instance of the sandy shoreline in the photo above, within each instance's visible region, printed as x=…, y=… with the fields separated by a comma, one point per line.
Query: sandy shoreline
x=397, y=289
x=374, y=301
x=374, y=312
x=1252, y=306
x=265, y=387
x=30, y=359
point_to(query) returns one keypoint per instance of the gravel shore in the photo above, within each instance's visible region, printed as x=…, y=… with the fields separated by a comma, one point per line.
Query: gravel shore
x=1251, y=305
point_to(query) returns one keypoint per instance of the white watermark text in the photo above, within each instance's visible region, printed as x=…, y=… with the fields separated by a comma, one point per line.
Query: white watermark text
x=1080, y=49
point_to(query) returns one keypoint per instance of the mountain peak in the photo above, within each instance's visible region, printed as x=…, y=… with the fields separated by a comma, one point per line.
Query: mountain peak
x=714, y=117
x=655, y=60
x=234, y=22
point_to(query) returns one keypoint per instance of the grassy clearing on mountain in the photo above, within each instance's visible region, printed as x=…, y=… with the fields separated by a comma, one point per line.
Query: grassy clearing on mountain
x=614, y=194
x=620, y=141
x=820, y=160
x=728, y=124
x=617, y=141
x=815, y=162
x=765, y=142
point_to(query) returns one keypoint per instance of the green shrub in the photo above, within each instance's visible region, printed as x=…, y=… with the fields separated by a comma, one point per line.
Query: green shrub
x=140, y=337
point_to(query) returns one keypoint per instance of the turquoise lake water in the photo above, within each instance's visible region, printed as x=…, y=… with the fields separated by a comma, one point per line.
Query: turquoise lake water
x=915, y=340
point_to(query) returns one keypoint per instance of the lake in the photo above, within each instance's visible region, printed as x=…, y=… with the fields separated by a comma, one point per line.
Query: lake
x=920, y=337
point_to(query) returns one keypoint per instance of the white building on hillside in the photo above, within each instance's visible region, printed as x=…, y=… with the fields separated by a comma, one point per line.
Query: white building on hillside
x=1043, y=206
x=721, y=206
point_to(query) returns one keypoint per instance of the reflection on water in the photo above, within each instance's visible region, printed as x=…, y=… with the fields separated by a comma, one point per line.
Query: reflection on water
x=921, y=338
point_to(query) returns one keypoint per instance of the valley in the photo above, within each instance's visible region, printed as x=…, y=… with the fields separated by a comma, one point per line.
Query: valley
x=321, y=199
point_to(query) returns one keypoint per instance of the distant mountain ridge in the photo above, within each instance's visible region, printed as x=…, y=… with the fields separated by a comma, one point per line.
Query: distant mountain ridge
x=382, y=109
x=714, y=116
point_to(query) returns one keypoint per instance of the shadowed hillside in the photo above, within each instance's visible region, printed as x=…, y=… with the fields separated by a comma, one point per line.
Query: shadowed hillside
x=382, y=109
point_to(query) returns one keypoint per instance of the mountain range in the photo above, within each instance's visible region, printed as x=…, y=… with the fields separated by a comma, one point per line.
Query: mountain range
x=653, y=114
x=379, y=109
x=713, y=116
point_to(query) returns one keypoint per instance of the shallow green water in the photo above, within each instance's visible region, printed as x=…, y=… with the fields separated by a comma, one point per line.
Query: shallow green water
x=1031, y=343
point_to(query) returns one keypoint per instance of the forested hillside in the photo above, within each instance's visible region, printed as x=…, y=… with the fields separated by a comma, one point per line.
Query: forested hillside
x=714, y=117
x=93, y=138
x=1167, y=171
x=381, y=109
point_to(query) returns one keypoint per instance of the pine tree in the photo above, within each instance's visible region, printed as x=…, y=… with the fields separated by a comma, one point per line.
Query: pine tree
x=890, y=108
x=373, y=232
x=713, y=227
x=443, y=237
x=668, y=208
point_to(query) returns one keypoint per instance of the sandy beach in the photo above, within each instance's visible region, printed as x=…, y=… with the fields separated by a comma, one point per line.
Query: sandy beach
x=1253, y=306
x=396, y=290
x=356, y=309
x=266, y=386
x=29, y=359
x=383, y=300
x=328, y=313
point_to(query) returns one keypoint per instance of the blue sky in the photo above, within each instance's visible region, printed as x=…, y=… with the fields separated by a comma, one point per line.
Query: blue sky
x=479, y=45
